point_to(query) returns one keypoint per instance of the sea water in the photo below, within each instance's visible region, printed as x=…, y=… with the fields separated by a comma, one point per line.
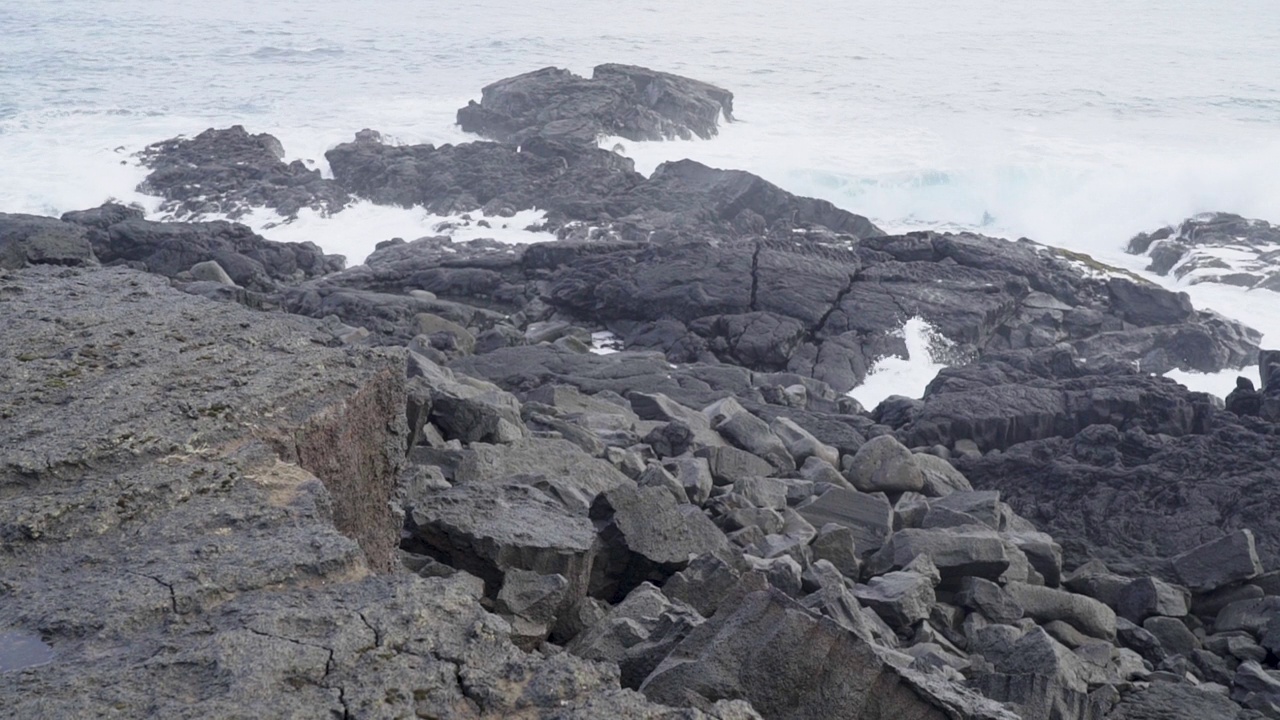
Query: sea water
x=1076, y=123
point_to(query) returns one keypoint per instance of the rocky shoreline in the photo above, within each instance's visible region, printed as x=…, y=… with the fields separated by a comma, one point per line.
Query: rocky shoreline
x=240, y=479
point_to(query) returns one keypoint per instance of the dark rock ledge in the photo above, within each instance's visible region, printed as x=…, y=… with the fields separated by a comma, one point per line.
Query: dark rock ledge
x=238, y=480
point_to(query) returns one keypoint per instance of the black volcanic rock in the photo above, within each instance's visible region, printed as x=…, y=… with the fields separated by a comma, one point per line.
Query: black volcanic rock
x=569, y=182
x=997, y=405
x=229, y=172
x=170, y=249
x=624, y=100
x=38, y=240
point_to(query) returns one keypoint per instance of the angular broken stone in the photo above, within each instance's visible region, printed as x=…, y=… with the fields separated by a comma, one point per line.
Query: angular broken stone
x=902, y=598
x=646, y=536
x=1150, y=596
x=868, y=516
x=989, y=599
x=728, y=464
x=956, y=552
x=837, y=544
x=1220, y=562
x=789, y=663
x=940, y=477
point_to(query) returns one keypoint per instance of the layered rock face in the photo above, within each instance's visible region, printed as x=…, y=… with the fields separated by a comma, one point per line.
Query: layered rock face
x=238, y=477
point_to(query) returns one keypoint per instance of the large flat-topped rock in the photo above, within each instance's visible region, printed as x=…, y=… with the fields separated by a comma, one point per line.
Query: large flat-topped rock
x=193, y=510
x=110, y=377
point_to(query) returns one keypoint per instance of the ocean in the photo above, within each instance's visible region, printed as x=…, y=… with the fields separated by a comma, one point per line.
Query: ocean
x=1076, y=123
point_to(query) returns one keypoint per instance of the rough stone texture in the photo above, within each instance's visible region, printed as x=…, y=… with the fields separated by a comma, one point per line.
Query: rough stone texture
x=1219, y=562
x=1035, y=674
x=1084, y=613
x=1145, y=597
x=791, y=664
x=868, y=516
x=36, y=240
x=884, y=465
x=229, y=172
x=645, y=535
x=1166, y=701
x=623, y=100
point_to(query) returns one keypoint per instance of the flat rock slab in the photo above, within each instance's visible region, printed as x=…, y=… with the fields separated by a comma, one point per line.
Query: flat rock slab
x=867, y=515
x=174, y=477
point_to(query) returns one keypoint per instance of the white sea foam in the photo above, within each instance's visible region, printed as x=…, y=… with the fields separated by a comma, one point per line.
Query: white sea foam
x=928, y=352
x=356, y=230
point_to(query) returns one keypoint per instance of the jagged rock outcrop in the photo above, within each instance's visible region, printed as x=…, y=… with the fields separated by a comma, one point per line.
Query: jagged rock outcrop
x=1214, y=247
x=624, y=100
x=229, y=172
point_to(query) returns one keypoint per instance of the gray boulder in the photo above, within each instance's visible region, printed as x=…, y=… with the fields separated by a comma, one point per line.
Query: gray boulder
x=957, y=553
x=637, y=633
x=868, y=516
x=1220, y=562
x=645, y=535
x=1149, y=596
x=1084, y=613
x=884, y=465
x=901, y=598
x=789, y=663
x=990, y=599
x=940, y=476
x=36, y=240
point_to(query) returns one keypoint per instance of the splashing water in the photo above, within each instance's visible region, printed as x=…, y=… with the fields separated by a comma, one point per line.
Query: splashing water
x=928, y=351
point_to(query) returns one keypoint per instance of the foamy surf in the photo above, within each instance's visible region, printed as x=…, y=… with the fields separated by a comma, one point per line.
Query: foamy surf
x=356, y=231
x=927, y=353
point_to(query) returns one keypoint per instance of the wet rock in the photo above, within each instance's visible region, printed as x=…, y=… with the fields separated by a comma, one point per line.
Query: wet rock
x=229, y=172
x=622, y=100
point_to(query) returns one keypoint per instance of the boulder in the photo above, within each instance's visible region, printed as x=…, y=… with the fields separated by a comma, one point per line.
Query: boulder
x=901, y=598
x=624, y=100
x=1220, y=562
x=837, y=544
x=868, y=517
x=1084, y=613
x=646, y=536
x=957, y=553
x=884, y=465
x=490, y=528
x=35, y=240
x=1150, y=596
x=637, y=633
x=789, y=663
x=1035, y=674
x=989, y=599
